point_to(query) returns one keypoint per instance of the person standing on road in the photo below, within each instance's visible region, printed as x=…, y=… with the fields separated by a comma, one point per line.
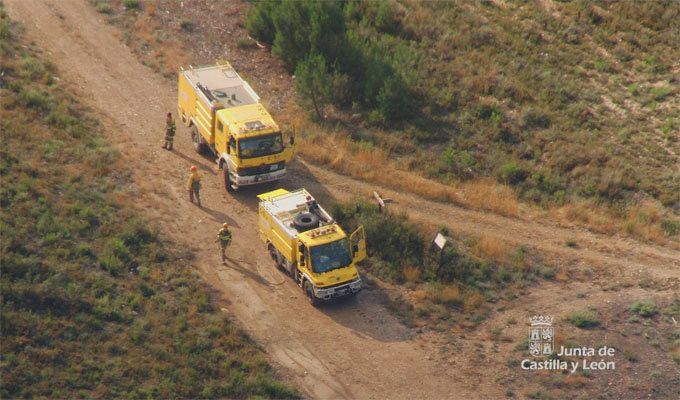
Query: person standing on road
x=194, y=185
x=169, y=131
x=224, y=238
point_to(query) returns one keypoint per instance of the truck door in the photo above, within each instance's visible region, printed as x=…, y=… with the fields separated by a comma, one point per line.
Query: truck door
x=358, y=244
x=303, y=258
x=220, y=136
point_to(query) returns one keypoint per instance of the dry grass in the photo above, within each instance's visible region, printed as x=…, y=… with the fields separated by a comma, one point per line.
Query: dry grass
x=419, y=296
x=372, y=164
x=640, y=221
x=493, y=248
x=411, y=274
x=450, y=295
x=472, y=301
x=168, y=53
x=488, y=195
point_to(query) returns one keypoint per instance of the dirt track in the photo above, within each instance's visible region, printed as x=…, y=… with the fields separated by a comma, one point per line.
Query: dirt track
x=354, y=348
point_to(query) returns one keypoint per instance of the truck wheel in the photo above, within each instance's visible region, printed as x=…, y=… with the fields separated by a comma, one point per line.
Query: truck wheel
x=313, y=300
x=197, y=140
x=272, y=253
x=227, y=180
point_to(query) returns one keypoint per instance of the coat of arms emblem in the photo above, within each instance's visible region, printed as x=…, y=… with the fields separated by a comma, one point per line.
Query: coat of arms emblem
x=541, y=336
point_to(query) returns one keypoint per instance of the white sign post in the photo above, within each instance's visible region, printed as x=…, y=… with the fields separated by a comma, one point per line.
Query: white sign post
x=440, y=241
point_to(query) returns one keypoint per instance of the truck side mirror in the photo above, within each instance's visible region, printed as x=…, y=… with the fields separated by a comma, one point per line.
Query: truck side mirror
x=355, y=249
x=292, y=140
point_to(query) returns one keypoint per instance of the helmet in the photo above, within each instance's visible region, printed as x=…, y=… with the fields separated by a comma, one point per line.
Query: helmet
x=309, y=198
x=168, y=115
x=225, y=225
x=193, y=168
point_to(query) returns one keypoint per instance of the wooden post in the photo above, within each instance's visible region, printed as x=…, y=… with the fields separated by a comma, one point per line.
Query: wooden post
x=381, y=202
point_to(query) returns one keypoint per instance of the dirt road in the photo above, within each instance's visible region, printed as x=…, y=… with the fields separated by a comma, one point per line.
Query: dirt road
x=353, y=349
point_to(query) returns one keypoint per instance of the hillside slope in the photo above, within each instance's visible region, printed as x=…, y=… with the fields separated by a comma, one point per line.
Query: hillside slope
x=94, y=302
x=358, y=348
x=559, y=100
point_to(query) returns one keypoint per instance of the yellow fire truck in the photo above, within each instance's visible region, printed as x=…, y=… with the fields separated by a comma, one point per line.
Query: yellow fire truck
x=305, y=241
x=226, y=117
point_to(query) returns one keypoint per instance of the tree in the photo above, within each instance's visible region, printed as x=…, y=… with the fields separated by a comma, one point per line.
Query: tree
x=394, y=99
x=314, y=83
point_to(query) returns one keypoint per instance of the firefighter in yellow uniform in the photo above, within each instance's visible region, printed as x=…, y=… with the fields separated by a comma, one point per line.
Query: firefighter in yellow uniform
x=224, y=238
x=194, y=185
x=169, y=132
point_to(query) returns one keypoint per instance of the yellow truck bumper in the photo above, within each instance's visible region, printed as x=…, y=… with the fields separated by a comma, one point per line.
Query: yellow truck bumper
x=239, y=181
x=345, y=289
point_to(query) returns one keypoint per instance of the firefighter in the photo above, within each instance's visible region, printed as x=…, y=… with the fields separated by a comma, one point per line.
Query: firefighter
x=194, y=185
x=224, y=238
x=169, y=131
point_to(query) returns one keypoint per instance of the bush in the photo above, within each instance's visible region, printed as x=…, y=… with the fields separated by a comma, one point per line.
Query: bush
x=259, y=21
x=390, y=238
x=671, y=227
x=645, y=309
x=584, y=319
x=394, y=99
x=313, y=83
x=35, y=99
x=246, y=43
x=187, y=25
x=533, y=118
x=132, y=4
x=102, y=6
x=302, y=31
x=512, y=173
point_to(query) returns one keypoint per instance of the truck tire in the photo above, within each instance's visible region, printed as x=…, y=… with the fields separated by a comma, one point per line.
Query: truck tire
x=309, y=291
x=197, y=140
x=227, y=179
x=274, y=255
x=306, y=221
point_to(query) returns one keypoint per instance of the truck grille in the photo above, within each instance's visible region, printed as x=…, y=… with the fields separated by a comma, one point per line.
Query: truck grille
x=260, y=169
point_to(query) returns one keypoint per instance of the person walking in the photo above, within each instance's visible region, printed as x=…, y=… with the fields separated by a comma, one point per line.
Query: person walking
x=224, y=238
x=169, y=131
x=194, y=185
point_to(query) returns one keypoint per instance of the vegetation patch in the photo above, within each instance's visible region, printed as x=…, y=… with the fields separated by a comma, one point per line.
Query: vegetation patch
x=645, y=308
x=94, y=302
x=465, y=276
x=537, y=115
x=584, y=319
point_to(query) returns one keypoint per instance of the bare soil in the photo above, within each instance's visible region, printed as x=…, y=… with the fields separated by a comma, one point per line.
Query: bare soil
x=354, y=348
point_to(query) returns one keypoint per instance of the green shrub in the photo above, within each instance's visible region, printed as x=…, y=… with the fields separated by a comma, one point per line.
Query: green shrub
x=533, y=118
x=132, y=4
x=35, y=99
x=390, y=238
x=313, y=83
x=394, y=99
x=302, y=31
x=187, y=25
x=246, y=43
x=259, y=21
x=513, y=173
x=645, y=308
x=102, y=6
x=584, y=319
x=671, y=227
x=660, y=93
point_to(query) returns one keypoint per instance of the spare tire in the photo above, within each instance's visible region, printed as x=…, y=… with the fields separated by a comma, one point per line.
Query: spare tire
x=306, y=221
